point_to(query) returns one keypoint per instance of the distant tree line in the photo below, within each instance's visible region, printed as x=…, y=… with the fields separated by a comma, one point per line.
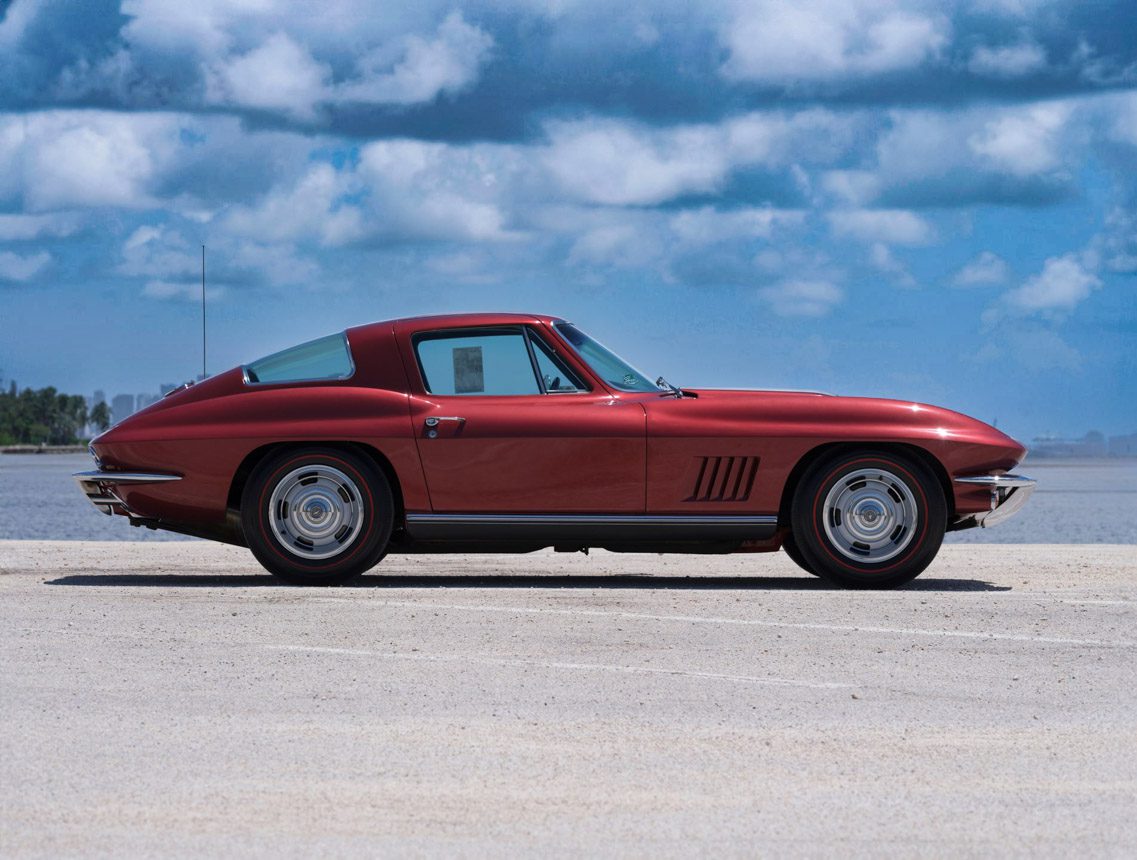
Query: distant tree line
x=46, y=417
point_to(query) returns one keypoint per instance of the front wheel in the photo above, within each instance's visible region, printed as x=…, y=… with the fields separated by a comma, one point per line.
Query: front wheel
x=317, y=516
x=869, y=519
x=789, y=545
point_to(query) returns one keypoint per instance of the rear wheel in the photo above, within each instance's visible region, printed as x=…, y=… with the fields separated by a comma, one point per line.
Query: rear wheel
x=317, y=516
x=870, y=519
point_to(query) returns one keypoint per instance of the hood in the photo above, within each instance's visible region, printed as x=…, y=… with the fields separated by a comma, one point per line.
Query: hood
x=808, y=413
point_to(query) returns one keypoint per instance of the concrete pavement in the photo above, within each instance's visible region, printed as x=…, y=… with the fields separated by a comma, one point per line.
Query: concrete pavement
x=172, y=699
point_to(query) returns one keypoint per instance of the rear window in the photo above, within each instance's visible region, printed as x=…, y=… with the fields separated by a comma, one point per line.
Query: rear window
x=326, y=358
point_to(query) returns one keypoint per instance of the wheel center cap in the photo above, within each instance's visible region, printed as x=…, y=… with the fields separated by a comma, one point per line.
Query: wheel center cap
x=869, y=514
x=315, y=510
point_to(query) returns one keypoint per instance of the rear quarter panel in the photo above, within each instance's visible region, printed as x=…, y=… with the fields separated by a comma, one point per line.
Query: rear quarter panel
x=206, y=431
x=206, y=441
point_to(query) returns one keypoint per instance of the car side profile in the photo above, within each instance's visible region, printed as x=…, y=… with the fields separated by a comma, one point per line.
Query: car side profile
x=513, y=433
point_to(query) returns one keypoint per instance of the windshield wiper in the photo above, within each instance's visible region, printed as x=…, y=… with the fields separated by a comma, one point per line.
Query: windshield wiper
x=668, y=387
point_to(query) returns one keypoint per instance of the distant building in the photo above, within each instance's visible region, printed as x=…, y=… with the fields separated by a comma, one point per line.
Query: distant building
x=1093, y=444
x=1123, y=446
x=122, y=407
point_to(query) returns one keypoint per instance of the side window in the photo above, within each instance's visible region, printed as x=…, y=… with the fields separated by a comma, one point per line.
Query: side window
x=555, y=375
x=491, y=362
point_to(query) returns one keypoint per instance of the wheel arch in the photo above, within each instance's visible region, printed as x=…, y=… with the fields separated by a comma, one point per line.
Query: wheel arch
x=258, y=455
x=821, y=451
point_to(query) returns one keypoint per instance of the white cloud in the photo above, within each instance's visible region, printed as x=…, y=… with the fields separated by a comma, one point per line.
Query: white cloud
x=1117, y=244
x=437, y=191
x=173, y=264
x=280, y=75
x=1063, y=283
x=805, y=298
x=15, y=20
x=1024, y=142
x=87, y=158
x=1018, y=140
x=1000, y=153
x=312, y=208
x=786, y=259
x=142, y=236
x=448, y=63
x=158, y=252
x=619, y=163
x=623, y=244
x=168, y=26
x=14, y=267
x=894, y=226
x=288, y=57
x=12, y=142
x=1014, y=8
x=1121, y=114
x=1037, y=350
x=608, y=162
x=881, y=256
x=90, y=166
x=1042, y=350
x=278, y=264
x=179, y=291
x=16, y=228
x=465, y=268
x=853, y=187
x=1007, y=61
x=707, y=225
x=987, y=268
x=778, y=139
x=784, y=41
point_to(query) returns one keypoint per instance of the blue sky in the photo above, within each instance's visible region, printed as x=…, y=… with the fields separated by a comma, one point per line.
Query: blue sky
x=928, y=201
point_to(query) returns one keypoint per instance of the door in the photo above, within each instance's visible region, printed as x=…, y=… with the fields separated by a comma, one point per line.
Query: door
x=505, y=426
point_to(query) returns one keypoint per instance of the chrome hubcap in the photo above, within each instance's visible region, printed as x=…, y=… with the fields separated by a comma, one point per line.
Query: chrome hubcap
x=870, y=516
x=316, y=512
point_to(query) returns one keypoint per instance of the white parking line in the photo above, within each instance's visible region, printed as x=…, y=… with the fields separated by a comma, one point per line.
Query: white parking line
x=553, y=664
x=749, y=622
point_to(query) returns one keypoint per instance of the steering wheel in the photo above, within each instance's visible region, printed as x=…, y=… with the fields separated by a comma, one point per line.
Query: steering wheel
x=554, y=385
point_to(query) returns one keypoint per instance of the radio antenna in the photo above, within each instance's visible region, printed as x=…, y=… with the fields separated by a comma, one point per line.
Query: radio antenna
x=203, y=374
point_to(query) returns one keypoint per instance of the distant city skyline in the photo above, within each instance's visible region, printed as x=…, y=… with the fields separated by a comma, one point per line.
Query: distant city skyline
x=1092, y=442
x=931, y=202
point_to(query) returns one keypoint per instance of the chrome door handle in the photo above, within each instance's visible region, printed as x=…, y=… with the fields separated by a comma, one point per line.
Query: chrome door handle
x=434, y=421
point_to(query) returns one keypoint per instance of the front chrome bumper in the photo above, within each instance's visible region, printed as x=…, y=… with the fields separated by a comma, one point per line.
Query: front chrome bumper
x=101, y=488
x=1008, y=494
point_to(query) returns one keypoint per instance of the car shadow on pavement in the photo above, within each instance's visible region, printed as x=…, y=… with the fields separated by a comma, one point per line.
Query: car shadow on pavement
x=506, y=581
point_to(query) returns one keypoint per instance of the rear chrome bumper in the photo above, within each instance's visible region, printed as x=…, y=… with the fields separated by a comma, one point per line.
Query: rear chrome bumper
x=101, y=488
x=1008, y=494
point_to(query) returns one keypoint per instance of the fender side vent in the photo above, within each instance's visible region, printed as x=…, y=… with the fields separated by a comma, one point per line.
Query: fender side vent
x=724, y=479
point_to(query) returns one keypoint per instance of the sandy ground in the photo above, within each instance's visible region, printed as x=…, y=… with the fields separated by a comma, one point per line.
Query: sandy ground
x=171, y=699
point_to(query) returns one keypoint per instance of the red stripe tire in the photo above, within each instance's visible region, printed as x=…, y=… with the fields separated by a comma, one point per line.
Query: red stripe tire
x=317, y=516
x=868, y=519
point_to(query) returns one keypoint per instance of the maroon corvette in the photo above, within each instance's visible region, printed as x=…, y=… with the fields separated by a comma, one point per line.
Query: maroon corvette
x=512, y=433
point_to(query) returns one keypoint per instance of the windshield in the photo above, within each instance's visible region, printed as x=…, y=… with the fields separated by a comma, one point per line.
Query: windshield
x=608, y=366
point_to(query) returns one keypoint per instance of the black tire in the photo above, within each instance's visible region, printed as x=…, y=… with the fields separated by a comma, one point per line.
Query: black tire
x=303, y=486
x=869, y=519
x=789, y=544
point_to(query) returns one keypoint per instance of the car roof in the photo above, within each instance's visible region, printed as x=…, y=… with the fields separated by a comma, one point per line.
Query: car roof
x=458, y=321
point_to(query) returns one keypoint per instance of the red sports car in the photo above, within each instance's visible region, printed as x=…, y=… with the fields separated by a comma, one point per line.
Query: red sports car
x=512, y=433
